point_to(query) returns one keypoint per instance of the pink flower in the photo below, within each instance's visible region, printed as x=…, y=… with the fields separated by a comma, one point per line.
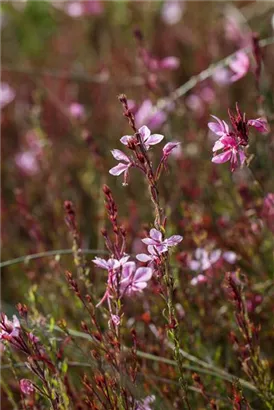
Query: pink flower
x=7, y=94
x=76, y=110
x=220, y=128
x=203, y=259
x=111, y=264
x=134, y=280
x=198, y=279
x=156, y=241
x=146, y=114
x=169, y=63
x=231, y=152
x=8, y=329
x=230, y=142
x=122, y=167
x=239, y=65
x=27, y=162
x=260, y=124
x=169, y=147
x=172, y=11
x=26, y=386
x=146, y=137
x=74, y=9
x=94, y=7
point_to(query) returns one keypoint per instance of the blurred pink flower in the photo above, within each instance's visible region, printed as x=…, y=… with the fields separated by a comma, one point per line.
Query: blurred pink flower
x=134, y=280
x=7, y=94
x=268, y=210
x=203, y=259
x=239, y=66
x=229, y=257
x=169, y=147
x=26, y=386
x=146, y=114
x=172, y=11
x=146, y=137
x=9, y=329
x=156, y=241
x=169, y=63
x=260, y=124
x=74, y=9
x=27, y=162
x=76, y=110
x=94, y=7
x=198, y=279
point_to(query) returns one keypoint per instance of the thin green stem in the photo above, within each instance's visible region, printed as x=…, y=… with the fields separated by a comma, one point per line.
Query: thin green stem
x=26, y=258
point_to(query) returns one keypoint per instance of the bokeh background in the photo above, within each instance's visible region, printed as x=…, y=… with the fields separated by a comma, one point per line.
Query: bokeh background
x=63, y=65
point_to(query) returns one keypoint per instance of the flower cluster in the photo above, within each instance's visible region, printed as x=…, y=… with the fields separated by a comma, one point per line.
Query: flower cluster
x=232, y=142
x=144, y=138
x=156, y=246
x=123, y=276
x=9, y=330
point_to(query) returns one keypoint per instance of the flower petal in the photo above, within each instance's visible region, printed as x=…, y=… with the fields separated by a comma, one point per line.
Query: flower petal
x=119, y=155
x=145, y=132
x=154, y=139
x=221, y=158
x=125, y=139
x=218, y=145
x=119, y=169
x=155, y=234
x=173, y=240
x=128, y=270
x=143, y=274
x=143, y=257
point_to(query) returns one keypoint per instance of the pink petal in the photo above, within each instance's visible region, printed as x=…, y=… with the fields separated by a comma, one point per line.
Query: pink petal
x=214, y=256
x=145, y=132
x=260, y=124
x=119, y=169
x=143, y=275
x=101, y=263
x=242, y=157
x=139, y=286
x=128, y=269
x=221, y=158
x=125, y=139
x=218, y=145
x=174, y=240
x=154, y=139
x=119, y=155
x=142, y=257
x=194, y=265
x=149, y=241
x=155, y=234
